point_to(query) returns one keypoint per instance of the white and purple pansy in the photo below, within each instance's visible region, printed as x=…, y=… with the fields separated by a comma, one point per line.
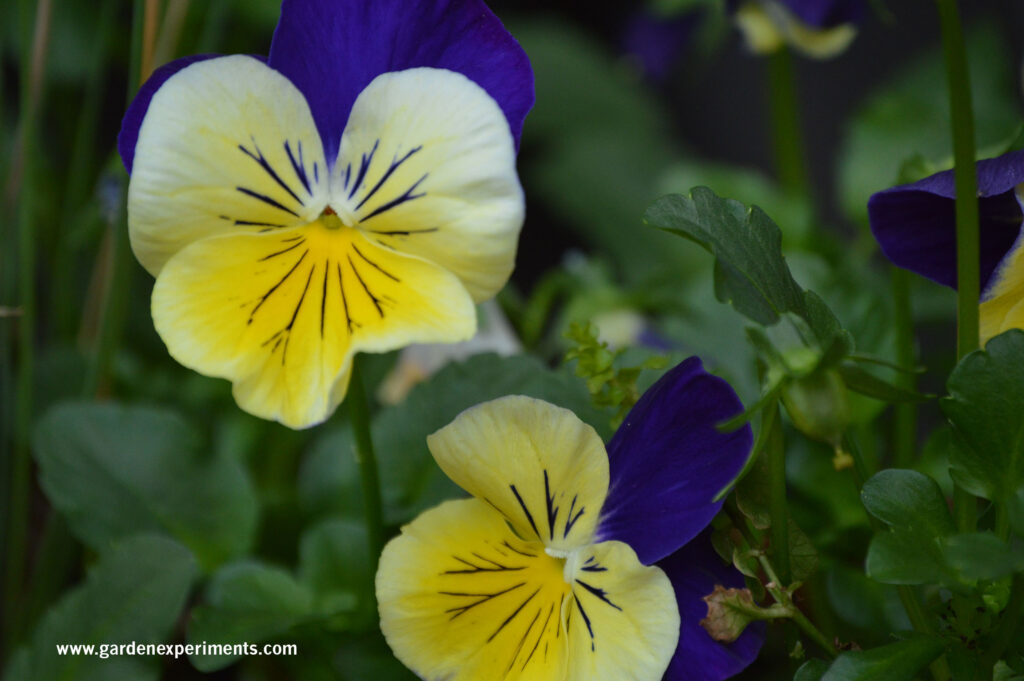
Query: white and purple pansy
x=817, y=28
x=915, y=224
x=355, y=191
x=570, y=561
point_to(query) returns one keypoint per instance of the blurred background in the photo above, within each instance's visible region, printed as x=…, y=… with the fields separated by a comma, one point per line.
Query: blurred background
x=633, y=102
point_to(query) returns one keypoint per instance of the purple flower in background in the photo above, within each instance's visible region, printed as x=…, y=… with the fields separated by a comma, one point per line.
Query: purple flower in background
x=572, y=560
x=817, y=28
x=658, y=41
x=915, y=224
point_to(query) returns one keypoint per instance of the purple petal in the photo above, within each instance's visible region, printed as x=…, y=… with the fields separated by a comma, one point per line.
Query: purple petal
x=694, y=570
x=657, y=42
x=132, y=120
x=915, y=224
x=332, y=49
x=826, y=13
x=668, y=461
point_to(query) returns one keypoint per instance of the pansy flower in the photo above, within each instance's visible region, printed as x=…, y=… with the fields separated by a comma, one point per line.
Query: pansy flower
x=570, y=561
x=355, y=191
x=915, y=224
x=817, y=28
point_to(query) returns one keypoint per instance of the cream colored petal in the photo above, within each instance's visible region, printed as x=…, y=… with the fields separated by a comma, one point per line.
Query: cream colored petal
x=427, y=167
x=461, y=598
x=281, y=314
x=621, y=617
x=541, y=467
x=228, y=146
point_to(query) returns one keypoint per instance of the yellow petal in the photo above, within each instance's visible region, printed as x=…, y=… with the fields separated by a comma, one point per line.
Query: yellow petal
x=541, y=467
x=621, y=617
x=767, y=24
x=462, y=598
x=427, y=167
x=227, y=145
x=1003, y=306
x=280, y=314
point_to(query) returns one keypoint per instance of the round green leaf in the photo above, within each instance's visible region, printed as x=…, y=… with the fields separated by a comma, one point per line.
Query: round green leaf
x=113, y=471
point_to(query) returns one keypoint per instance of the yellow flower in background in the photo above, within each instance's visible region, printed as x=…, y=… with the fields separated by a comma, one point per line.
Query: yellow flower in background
x=299, y=210
x=817, y=28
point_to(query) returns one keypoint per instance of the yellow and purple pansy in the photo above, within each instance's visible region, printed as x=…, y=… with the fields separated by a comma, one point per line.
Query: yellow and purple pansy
x=570, y=561
x=915, y=224
x=817, y=28
x=355, y=191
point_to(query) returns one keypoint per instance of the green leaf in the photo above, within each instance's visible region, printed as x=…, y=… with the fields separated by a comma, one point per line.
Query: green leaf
x=335, y=565
x=908, y=499
x=985, y=403
x=864, y=382
x=134, y=593
x=812, y=670
x=899, y=661
x=410, y=479
x=803, y=557
x=982, y=555
x=113, y=471
x=246, y=603
x=750, y=271
x=911, y=552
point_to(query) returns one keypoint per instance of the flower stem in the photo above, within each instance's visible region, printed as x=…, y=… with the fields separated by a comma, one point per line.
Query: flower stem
x=359, y=411
x=81, y=175
x=777, y=498
x=787, y=133
x=967, y=240
x=904, y=442
x=112, y=262
x=783, y=597
x=22, y=187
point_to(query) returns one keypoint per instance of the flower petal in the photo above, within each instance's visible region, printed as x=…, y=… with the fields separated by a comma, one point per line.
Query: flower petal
x=541, y=467
x=1002, y=305
x=668, y=461
x=136, y=112
x=826, y=13
x=621, y=617
x=226, y=145
x=332, y=49
x=427, y=167
x=280, y=314
x=915, y=224
x=462, y=598
x=694, y=571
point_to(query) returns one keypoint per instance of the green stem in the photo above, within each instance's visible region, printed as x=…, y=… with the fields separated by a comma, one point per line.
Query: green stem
x=787, y=133
x=967, y=240
x=904, y=443
x=777, y=499
x=781, y=596
x=81, y=175
x=17, y=535
x=359, y=411
x=1002, y=523
x=115, y=294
